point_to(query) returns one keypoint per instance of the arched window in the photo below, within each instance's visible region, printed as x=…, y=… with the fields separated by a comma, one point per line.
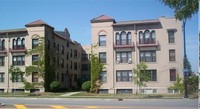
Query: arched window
x=141, y=40
x=117, y=37
x=14, y=44
x=123, y=38
x=0, y=44
x=35, y=42
x=23, y=42
x=147, y=36
x=3, y=44
x=19, y=43
x=129, y=38
x=153, y=36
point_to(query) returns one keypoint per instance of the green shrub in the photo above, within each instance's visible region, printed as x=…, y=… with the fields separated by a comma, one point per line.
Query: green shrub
x=86, y=86
x=55, y=86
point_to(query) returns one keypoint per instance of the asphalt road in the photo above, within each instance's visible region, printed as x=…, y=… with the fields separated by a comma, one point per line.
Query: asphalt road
x=81, y=103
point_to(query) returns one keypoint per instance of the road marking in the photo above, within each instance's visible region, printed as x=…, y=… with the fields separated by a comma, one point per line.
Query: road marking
x=59, y=107
x=19, y=106
x=91, y=107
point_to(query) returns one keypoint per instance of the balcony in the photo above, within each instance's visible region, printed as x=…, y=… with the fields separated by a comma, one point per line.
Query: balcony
x=3, y=50
x=19, y=49
x=148, y=44
x=131, y=45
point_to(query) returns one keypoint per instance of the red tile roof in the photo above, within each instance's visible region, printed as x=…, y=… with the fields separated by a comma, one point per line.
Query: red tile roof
x=37, y=23
x=102, y=18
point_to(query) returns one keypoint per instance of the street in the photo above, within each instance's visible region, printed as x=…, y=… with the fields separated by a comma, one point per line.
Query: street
x=87, y=103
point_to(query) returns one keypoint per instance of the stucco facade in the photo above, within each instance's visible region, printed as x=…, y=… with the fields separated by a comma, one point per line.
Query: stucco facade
x=158, y=42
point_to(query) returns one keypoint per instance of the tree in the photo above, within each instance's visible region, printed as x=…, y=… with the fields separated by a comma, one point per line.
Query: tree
x=183, y=9
x=178, y=85
x=141, y=75
x=15, y=73
x=193, y=82
x=188, y=65
x=96, y=69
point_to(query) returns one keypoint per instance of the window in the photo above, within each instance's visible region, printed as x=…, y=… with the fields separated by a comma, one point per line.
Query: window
x=62, y=77
x=70, y=52
x=102, y=40
x=124, y=76
x=35, y=42
x=2, y=77
x=117, y=37
x=102, y=57
x=171, y=36
x=62, y=63
x=124, y=91
x=124, y=57
x=172, y=74
x=34, y=59
x=75, y=54
x=67, y=43
x=2, y=45
x=148, y=56
x=18, y=43
x=17, y=78
x=153, y=75
x=147, y=37
x=18, y=60
x=172, y=55
x=48, y=44
x=67, y=56
x=35, y=77
x=84, y=57
x=103, y=91
x=70, y=64
x=58, y=47
x=75, y=65
x=2, y=60
x=85, y=67
x=58, y=61
x=123, y=38
x=62, y=49
x=54, y=44
x=103, y=76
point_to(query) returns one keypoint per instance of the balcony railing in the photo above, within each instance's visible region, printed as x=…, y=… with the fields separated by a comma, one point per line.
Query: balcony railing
x=148, y=44
x=3, y=50
x=17, y=49
x=131, y=45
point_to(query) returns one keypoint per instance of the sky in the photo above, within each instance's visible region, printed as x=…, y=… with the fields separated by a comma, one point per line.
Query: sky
x=76, y=16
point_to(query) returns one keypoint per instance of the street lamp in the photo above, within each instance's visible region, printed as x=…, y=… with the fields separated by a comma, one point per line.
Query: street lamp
x=186, y=71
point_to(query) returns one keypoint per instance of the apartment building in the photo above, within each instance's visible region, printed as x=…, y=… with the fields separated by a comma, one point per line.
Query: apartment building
x=64, y=55
x=124, y=44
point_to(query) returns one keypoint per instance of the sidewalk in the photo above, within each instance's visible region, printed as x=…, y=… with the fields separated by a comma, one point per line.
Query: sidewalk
x=69, y=94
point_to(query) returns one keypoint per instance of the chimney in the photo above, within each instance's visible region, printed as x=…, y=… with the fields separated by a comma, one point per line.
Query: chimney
x=66, y=33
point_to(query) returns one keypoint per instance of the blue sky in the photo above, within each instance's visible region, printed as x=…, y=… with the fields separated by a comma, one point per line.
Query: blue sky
x=76, y=16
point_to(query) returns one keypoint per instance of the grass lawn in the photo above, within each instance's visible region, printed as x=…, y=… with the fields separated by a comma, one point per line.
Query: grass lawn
x=44, y=94
x=130, y=96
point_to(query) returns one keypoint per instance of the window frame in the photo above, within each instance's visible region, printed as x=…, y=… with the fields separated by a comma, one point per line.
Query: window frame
x=126, y=77
x=101, y=54
x=172, y=55
x=102, y=40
